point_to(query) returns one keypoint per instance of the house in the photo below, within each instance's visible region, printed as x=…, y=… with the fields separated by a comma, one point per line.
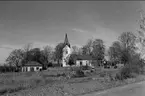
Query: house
x=83, y=60
x=32, y=66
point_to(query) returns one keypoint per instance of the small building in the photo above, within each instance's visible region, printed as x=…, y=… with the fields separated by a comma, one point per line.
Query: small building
x=32, y=66
x=83, y=60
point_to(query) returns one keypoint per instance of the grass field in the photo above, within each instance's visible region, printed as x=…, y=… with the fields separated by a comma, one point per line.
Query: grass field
x=55, y=82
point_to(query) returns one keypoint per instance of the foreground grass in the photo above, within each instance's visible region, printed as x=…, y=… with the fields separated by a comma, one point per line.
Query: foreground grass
x=56, y=83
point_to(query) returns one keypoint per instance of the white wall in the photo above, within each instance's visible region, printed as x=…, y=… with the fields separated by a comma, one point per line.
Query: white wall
x=84, y=62
x=29, y=68
x=65, y=56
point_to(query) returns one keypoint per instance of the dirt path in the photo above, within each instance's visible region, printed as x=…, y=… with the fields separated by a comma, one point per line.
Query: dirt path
x=137, y=89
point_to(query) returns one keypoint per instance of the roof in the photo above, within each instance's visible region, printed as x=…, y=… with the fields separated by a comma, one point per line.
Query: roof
x=84, y=57
x=66, y=42
x=32, y=63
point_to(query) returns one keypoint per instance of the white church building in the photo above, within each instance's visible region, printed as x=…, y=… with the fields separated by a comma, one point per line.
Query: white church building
x=66, y=52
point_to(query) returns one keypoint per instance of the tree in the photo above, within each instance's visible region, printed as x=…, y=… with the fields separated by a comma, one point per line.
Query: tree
x=59, y=52
x=140, y=41
x=98, y=49
x=47, y=55
x=87, y=49
x=34, y=55
x=27, y=49
x=124, y=49
x=72, y=59
x=15, y=58
x=114, y=52
x=75, y=50
x=127, y=40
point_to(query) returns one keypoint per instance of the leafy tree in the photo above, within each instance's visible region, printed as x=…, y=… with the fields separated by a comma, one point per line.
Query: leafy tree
x=58, y=52
x=122, y=50
x=98, y=49
x=84, y=50
x=127, y=40
x=140, y=40
x=87, y=49
x=72, y=59
x=15, y=58
x=34, y=54
x=114, y=52
x=46, y=55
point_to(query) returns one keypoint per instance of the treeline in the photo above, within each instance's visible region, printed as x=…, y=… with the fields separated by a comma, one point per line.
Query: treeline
x=120, y=51
x=4, y=69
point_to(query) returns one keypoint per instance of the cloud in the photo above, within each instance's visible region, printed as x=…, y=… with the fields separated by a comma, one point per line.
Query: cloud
x=79, y=30
x=10, y=47
x=41, y=45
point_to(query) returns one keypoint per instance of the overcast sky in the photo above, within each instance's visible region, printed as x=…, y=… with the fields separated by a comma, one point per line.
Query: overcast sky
x=45, y=23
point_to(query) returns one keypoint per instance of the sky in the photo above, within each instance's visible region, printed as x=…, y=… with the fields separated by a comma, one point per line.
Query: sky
x=46, y=22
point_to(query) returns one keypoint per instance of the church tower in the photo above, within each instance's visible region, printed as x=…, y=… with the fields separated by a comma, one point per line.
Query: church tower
x=66, y=52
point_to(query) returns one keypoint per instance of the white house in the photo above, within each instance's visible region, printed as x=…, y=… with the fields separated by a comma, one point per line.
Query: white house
x=83, y=60
x=32, y=66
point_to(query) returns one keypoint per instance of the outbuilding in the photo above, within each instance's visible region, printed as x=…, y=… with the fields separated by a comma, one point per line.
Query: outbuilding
x=83, y=60
x=31, y=66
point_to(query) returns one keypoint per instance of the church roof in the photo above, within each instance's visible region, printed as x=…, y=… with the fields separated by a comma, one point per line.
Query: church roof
x=66, y=42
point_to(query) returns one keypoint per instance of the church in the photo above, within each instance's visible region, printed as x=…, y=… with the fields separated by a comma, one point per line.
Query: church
x=66, y=52
x=81, y=60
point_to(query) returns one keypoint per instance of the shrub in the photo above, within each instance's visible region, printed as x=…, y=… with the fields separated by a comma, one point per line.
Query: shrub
x=85, y=67
x=79, y=73
x=134, y=66
x=128, y=71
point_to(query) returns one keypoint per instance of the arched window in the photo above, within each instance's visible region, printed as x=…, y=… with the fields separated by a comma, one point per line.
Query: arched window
x=66, y=52
x=80, y=63
x=37, y=68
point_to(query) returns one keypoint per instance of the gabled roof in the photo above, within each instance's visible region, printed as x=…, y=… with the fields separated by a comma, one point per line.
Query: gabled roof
x=66, y=42
x=32, y=63
x=84, y=57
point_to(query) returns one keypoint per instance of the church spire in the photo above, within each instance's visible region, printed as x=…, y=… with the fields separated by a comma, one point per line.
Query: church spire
x=66, y=42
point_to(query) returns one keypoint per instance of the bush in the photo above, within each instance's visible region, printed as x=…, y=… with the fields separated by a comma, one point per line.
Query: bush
x=123, y=74
x=102, y=74
x=85, y=67
x=79, y=73
x=128, y=71
x=134, y=66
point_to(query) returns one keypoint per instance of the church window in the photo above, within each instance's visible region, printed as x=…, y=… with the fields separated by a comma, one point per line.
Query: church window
x=66, y=52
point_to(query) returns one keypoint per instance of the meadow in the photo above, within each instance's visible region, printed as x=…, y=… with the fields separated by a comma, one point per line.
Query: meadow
x=60, y=82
